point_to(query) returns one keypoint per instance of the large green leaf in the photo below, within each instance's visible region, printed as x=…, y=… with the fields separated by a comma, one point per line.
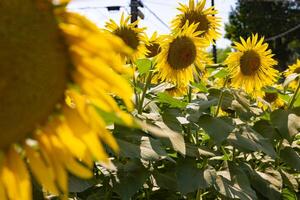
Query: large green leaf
x=166, y=180
x=147, y=149
x=79, y=185
x=264, y=128
x=248, y=140
x=286, y=122
x=216, y=128
x=130, y=178
x=230, y=190
x=239, y=177
x=143, y=65
x=291, y=157
x=267, y=184
x=163, y=131
x=290, y=180
x=169, y=117
x=190, y=178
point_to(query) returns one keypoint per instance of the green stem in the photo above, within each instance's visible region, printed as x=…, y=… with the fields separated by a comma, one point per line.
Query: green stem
x=148, y=81
x=221, y=97
x=190, y=94
x=294, y=96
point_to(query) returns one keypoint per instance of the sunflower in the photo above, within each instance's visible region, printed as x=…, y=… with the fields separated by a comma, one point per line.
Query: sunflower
x=271, y=99
x=205, y=19
x=130, y=34
x=251, y=66
x=153, y=45
x=180, y=54
x=58, y=70
x=293, y=69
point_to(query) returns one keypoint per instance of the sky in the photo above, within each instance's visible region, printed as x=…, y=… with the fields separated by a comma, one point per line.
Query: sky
x=165, y=10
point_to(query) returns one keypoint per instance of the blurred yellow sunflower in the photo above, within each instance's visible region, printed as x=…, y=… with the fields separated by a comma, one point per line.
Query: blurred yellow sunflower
x=293, y=69
x=180, y=54
x=205, y=19
x=153, y=45
x=56, y=72
x=251, y=66
x=130, y=34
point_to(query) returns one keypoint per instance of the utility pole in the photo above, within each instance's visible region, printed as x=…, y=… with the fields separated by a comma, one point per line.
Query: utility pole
x=214, y=47
x=134, y=10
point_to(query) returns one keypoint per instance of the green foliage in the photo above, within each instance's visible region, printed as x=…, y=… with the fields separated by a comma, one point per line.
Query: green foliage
x=181, y=149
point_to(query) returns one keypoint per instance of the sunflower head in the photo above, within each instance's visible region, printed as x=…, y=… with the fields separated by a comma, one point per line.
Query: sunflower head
x=153, y=45
x=293, y=69
x=207, y=23
x=51, y=89
x=180, y=53
x=271, y=99
x=251, y=66
x=130, y=34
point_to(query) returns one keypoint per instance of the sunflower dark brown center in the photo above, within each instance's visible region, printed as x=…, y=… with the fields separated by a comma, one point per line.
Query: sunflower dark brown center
x=297, y=70
x=270, y=97
x=196, y=17
x=182, y=53
x=154, y=49
x=129, y=36
x=249, y=63
x=33, y=67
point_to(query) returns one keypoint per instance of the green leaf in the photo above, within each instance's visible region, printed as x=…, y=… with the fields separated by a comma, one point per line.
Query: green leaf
x=268, y=185
x=168, y=99
x=290, y=180
x=163, y=131
x=201, y=86
x=227, y=97
x=143, y=65
x=220, y=73
x=230, y=190
x=286, y=122
x=249, y=140
x=194, y=151
x=288, y=195
x=166, y=180
x=291, y=157
x=196, y=108
x=264, y=128
x=147, y=149
x=130, y=178
x=79, y=185
x=217, y=128
x=239, y=177
x=190, y=178
x=169, y=118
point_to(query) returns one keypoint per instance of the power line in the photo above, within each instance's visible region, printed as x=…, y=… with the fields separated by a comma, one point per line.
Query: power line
x=93, y=7
x=283, y=34
x=157, y=17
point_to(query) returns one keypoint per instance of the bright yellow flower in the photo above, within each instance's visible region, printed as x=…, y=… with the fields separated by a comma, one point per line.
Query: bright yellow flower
x=130, y=34
x=57, y=71
x=205, y=19
x=293, y=69
x=181, y=53
x=251, y=66
x=153, y=45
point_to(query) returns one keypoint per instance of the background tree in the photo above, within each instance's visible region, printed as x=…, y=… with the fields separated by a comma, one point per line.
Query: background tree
x=269, y=19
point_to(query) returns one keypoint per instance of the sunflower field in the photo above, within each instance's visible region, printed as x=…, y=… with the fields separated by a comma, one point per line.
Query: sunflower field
x=89, y=113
